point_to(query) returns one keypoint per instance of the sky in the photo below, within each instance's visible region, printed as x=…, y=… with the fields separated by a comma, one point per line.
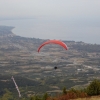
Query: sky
x=77, y=20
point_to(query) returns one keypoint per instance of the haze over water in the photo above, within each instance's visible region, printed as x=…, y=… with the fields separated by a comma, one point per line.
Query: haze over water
x=54, y=29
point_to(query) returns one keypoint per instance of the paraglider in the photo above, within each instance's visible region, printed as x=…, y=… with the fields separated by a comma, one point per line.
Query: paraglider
x=58, y=42
x=53, y=42
x=55, y=67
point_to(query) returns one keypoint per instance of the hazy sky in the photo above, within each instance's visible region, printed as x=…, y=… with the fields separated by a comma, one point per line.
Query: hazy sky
x=77, y=20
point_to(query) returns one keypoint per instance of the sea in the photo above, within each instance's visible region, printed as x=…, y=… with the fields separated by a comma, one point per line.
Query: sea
x=54, y=29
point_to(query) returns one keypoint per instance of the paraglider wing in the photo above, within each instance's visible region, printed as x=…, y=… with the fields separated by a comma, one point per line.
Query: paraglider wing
x=54, y=42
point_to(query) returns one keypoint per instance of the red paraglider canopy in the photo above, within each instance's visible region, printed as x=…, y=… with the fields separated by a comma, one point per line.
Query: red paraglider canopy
x=54, y=42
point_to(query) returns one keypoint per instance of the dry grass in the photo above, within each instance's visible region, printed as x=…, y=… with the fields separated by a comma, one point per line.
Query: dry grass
x=89, y=98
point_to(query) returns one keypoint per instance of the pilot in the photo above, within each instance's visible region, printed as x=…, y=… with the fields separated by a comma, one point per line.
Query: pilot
x=55, y=67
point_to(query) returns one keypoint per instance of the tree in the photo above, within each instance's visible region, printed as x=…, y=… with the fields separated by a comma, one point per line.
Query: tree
x=94, y=88
x=35, y=98
x=7, y=95
x=64, y=90
x=45, y=96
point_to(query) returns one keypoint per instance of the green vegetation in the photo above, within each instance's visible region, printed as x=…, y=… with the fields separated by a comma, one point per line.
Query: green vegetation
x=94, y=88
x=64, y=90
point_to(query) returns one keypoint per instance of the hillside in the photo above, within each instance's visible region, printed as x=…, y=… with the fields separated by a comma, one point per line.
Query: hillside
x=77, y=66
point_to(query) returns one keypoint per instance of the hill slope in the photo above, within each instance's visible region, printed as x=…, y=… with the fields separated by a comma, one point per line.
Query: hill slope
x=76, y=67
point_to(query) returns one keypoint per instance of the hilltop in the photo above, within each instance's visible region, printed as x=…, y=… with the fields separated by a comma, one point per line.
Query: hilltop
x=77, y=66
